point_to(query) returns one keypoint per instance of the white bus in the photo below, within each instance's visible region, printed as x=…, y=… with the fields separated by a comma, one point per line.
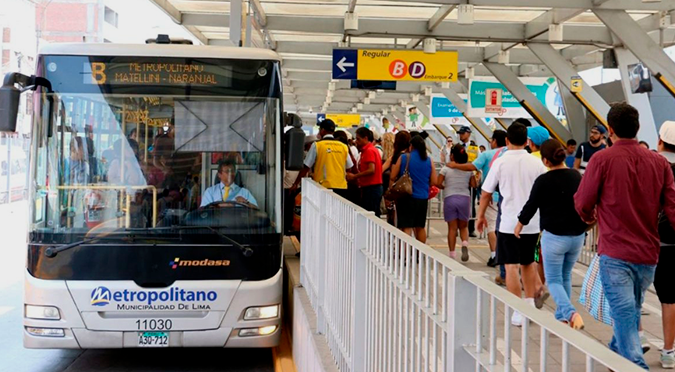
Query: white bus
x=129, y=245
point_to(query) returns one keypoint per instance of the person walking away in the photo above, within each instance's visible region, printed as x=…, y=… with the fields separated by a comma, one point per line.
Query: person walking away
x=369, y=174
x=353, y=193
x=483, y=164
x=330, y=160
x=570, y=150
x=456, y=204
x=536, y=136
x=586, y=150
x=626, y=187
x=563, y=230
x=472, y=150
x=411, y=210
x=663, y=276
x=400, y=147
x=514, y=173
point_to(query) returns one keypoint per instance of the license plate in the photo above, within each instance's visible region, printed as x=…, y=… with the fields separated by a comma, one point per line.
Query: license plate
x=153, y=339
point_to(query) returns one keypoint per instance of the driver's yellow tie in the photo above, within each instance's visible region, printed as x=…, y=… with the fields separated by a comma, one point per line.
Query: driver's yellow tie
x=226, y=193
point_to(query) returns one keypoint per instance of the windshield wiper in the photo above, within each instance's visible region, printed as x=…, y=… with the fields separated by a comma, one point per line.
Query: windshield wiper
x=53, y=251
x=246, y=251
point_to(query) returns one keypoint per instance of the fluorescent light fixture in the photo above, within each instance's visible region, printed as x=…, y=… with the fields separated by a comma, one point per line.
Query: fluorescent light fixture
x=469, y=73
x=359, y=106
x=42, y=312
x=366, y=101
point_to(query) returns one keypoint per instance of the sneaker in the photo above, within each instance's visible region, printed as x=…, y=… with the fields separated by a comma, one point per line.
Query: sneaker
x=473, y=234
x=492, y=262
x=500, y=281
x=465, y=253
x=452, y=254
x=645, y=344
x=541, y=298
x=668, y=360
x=517, y=319
x=576, y=321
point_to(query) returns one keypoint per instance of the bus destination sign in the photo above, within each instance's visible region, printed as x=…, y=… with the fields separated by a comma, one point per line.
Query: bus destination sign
x=149, y=73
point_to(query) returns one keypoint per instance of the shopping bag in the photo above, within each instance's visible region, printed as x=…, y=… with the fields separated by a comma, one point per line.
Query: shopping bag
x=592, y=295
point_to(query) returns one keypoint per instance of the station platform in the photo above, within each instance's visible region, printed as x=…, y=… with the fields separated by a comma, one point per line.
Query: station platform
x=651, y=316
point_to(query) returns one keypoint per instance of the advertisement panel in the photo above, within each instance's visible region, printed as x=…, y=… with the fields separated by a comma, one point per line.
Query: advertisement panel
x=545, y=89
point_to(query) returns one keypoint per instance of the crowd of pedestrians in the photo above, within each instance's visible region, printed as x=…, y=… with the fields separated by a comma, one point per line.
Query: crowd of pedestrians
x=538, y=198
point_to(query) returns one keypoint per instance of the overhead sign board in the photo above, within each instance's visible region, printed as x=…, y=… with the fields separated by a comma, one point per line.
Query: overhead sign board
x=576, y=85
x=341, y=120
x=394, y=65
x=545, y=89
x=493, y=100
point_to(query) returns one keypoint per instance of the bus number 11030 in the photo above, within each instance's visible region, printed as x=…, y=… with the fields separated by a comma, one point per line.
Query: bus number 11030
x=154, y=324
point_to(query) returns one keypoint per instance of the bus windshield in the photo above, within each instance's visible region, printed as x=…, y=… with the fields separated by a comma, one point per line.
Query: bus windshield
x=146, y=164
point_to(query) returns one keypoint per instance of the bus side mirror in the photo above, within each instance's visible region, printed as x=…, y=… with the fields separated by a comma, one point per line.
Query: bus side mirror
x=295, y=143
x=9, y=107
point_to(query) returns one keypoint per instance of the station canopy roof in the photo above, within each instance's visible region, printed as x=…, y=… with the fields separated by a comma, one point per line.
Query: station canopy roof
x=304, y=33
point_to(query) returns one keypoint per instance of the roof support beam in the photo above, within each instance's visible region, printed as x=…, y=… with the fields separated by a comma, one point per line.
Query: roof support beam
x=434, y=21
x=641, y=44
x=564, y=71
x=570, y=4
x=352, y=6
x=259, y=13
x=529, y=101
x=446, y=30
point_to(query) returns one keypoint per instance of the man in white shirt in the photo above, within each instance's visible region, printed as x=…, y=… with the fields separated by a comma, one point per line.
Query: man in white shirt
x=514, y=173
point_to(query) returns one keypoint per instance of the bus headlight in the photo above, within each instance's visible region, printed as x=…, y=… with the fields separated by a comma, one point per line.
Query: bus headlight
x=42, y=312
x=262, y=331
x=46, y=332
x=261, y=312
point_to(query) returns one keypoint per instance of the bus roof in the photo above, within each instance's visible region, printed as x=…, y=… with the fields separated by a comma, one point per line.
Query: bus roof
x=158, y=50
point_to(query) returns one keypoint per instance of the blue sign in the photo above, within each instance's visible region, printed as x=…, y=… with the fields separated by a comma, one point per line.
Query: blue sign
x=441, y=107
x=345, y=63
x=320, y=118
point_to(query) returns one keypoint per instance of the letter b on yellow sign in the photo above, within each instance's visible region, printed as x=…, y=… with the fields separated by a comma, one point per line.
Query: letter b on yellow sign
x=98, y=72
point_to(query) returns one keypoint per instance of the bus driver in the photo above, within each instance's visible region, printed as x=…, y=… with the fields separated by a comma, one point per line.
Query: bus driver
x=227, y=190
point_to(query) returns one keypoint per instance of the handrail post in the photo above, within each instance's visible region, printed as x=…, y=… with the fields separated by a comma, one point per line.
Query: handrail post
x=322, y=276
x=461, y=325
x=359, y=293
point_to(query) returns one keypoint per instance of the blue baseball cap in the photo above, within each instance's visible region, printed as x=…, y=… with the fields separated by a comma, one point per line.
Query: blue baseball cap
x=538, y=135
x=600, y=128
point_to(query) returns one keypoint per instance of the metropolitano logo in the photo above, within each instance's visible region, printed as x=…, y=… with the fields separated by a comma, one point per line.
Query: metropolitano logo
x=100, y=296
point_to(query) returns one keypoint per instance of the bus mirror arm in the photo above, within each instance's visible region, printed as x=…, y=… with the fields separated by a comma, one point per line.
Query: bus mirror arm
x=10, y=96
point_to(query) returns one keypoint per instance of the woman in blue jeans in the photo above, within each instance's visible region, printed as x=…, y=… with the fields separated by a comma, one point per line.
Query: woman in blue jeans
x=563, y=230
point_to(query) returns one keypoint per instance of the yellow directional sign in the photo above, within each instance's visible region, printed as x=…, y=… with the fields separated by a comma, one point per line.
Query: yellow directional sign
x=406, y=65
x=342, y=120
x=576, y=85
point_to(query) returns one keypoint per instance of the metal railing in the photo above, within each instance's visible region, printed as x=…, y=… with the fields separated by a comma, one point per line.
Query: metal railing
x=386, y=302
x=590, y=248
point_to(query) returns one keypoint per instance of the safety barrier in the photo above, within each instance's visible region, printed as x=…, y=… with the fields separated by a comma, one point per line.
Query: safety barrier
x=386, y=302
